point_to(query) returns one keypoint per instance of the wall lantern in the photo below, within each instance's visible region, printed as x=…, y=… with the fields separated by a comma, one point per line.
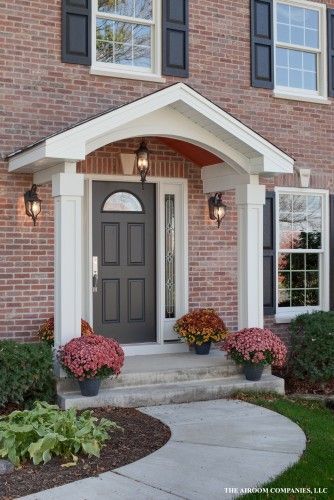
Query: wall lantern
x=217, y=209
x=142, y=161
x=32, y=203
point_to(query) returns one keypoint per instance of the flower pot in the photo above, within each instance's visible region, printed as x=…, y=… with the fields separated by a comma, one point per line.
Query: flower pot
x=253, y=371
x=203, y=349
x=90, y=386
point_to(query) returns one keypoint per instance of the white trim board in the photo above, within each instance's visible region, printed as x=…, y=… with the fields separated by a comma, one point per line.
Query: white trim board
x=164, y=185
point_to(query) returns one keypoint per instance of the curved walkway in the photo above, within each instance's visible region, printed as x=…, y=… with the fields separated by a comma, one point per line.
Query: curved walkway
x=215, y=446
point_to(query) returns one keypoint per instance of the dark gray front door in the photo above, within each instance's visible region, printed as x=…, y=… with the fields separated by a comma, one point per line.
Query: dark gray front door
x=124, y=243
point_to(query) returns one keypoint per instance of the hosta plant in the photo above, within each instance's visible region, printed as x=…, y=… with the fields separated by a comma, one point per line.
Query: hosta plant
x=46, y=330
x=258, y=346
x=201, y=326
x=47, y=431
x=91, y=357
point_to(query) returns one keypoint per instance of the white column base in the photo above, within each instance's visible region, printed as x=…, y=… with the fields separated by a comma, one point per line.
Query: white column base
x=250, y=199
x=67, y=190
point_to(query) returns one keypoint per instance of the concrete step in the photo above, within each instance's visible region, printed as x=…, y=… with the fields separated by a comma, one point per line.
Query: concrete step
x=165, y=368
x=166, y=393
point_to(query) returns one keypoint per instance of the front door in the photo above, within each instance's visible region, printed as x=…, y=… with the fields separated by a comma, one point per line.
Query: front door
x=124, y=293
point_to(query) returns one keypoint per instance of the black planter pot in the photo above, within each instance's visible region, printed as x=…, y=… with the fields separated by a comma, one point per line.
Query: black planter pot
x=90, y=386
x=203, y=349
x=253, y=372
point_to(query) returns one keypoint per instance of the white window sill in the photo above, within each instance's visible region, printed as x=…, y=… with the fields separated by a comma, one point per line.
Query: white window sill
x=287, y=317
x=147, y=77
x=300, y=97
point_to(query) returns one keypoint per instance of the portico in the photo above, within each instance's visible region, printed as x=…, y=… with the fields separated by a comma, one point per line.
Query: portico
x=176, y=112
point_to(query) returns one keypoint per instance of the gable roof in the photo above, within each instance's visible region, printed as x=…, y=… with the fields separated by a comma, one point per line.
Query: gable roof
x=175, y=112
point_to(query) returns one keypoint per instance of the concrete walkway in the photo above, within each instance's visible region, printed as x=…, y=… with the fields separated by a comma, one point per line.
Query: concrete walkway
x=215, y=446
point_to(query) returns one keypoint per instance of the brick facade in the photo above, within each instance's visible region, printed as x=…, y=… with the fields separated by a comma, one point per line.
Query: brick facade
x=39, y=95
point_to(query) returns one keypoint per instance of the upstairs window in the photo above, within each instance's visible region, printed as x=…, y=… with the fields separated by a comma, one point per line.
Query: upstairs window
x=300, y=62
x=126, y=35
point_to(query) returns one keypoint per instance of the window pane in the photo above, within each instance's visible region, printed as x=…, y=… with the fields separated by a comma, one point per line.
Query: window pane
x=284, y=298
x=119, y=7
x=284, y=261
x=312, y=297
x=143, y=9
x=297, y=16
x=295, y=79
x=296, y=59
x=282, y=57
x=310, y=81
x=297, y=261
x=312, y=261
x=282, y=77
x=169, y=256
x=297, y=36
x=122, y=201
x=283, y=13
x=297, y=298
x=311, y=19
x=130, y=8
x=297, y=279
x=283, y=33
x=309, y=61
x=312, y=38
x=284, y=280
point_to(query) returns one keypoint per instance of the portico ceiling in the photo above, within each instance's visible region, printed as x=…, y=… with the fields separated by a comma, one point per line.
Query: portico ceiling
x=176, y=112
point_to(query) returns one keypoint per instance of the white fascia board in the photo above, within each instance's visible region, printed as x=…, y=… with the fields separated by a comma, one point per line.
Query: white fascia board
x=26, y=158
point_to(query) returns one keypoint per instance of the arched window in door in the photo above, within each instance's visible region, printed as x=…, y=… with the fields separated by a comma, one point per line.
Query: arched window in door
x=122, y=201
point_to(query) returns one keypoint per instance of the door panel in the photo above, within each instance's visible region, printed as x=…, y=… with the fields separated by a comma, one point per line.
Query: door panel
x=124, y=242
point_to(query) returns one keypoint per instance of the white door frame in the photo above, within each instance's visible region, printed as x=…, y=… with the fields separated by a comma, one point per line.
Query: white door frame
x=164, y=185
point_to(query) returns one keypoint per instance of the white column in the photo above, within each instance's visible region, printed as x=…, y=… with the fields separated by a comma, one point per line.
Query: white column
x=67, y=190
x=250, y=199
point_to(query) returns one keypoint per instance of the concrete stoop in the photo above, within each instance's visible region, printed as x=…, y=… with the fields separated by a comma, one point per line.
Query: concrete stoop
x=169, y=378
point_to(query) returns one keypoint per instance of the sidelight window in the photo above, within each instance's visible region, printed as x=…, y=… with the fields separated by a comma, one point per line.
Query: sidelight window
x=170, y=256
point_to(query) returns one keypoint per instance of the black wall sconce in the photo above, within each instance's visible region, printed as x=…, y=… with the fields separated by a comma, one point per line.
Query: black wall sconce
x=142, y=161
x=217, y=209
x=32, y=203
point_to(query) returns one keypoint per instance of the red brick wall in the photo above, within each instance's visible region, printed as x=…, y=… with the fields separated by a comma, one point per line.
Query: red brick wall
x=40, y=95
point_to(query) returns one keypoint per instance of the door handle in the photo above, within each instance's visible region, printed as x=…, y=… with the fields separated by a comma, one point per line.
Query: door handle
x=95, y=273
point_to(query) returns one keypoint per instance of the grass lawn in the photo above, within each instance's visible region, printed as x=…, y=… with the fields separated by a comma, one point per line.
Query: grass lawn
x=316, y=467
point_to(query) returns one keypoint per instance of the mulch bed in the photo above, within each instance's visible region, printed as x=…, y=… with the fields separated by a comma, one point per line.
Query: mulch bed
x=142, y=435
x=294, y=385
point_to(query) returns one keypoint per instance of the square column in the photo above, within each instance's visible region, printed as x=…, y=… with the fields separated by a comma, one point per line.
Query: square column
x=67, y=190
x=250, y=200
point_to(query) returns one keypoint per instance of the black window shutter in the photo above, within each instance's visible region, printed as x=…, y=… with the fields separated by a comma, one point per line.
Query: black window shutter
x=76, y=32
x=331, y=252
x=269, y=255
x=262, y=46
x=175, y=27
x=330, y=38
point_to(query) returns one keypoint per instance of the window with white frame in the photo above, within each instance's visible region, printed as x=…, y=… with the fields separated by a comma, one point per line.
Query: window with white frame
x=126, y=35
x=302, y=251
x=300, y=48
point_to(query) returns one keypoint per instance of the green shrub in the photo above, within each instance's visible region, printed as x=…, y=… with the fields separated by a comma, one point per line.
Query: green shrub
x=312, y=346
x=44, y=431
x=26, y=373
